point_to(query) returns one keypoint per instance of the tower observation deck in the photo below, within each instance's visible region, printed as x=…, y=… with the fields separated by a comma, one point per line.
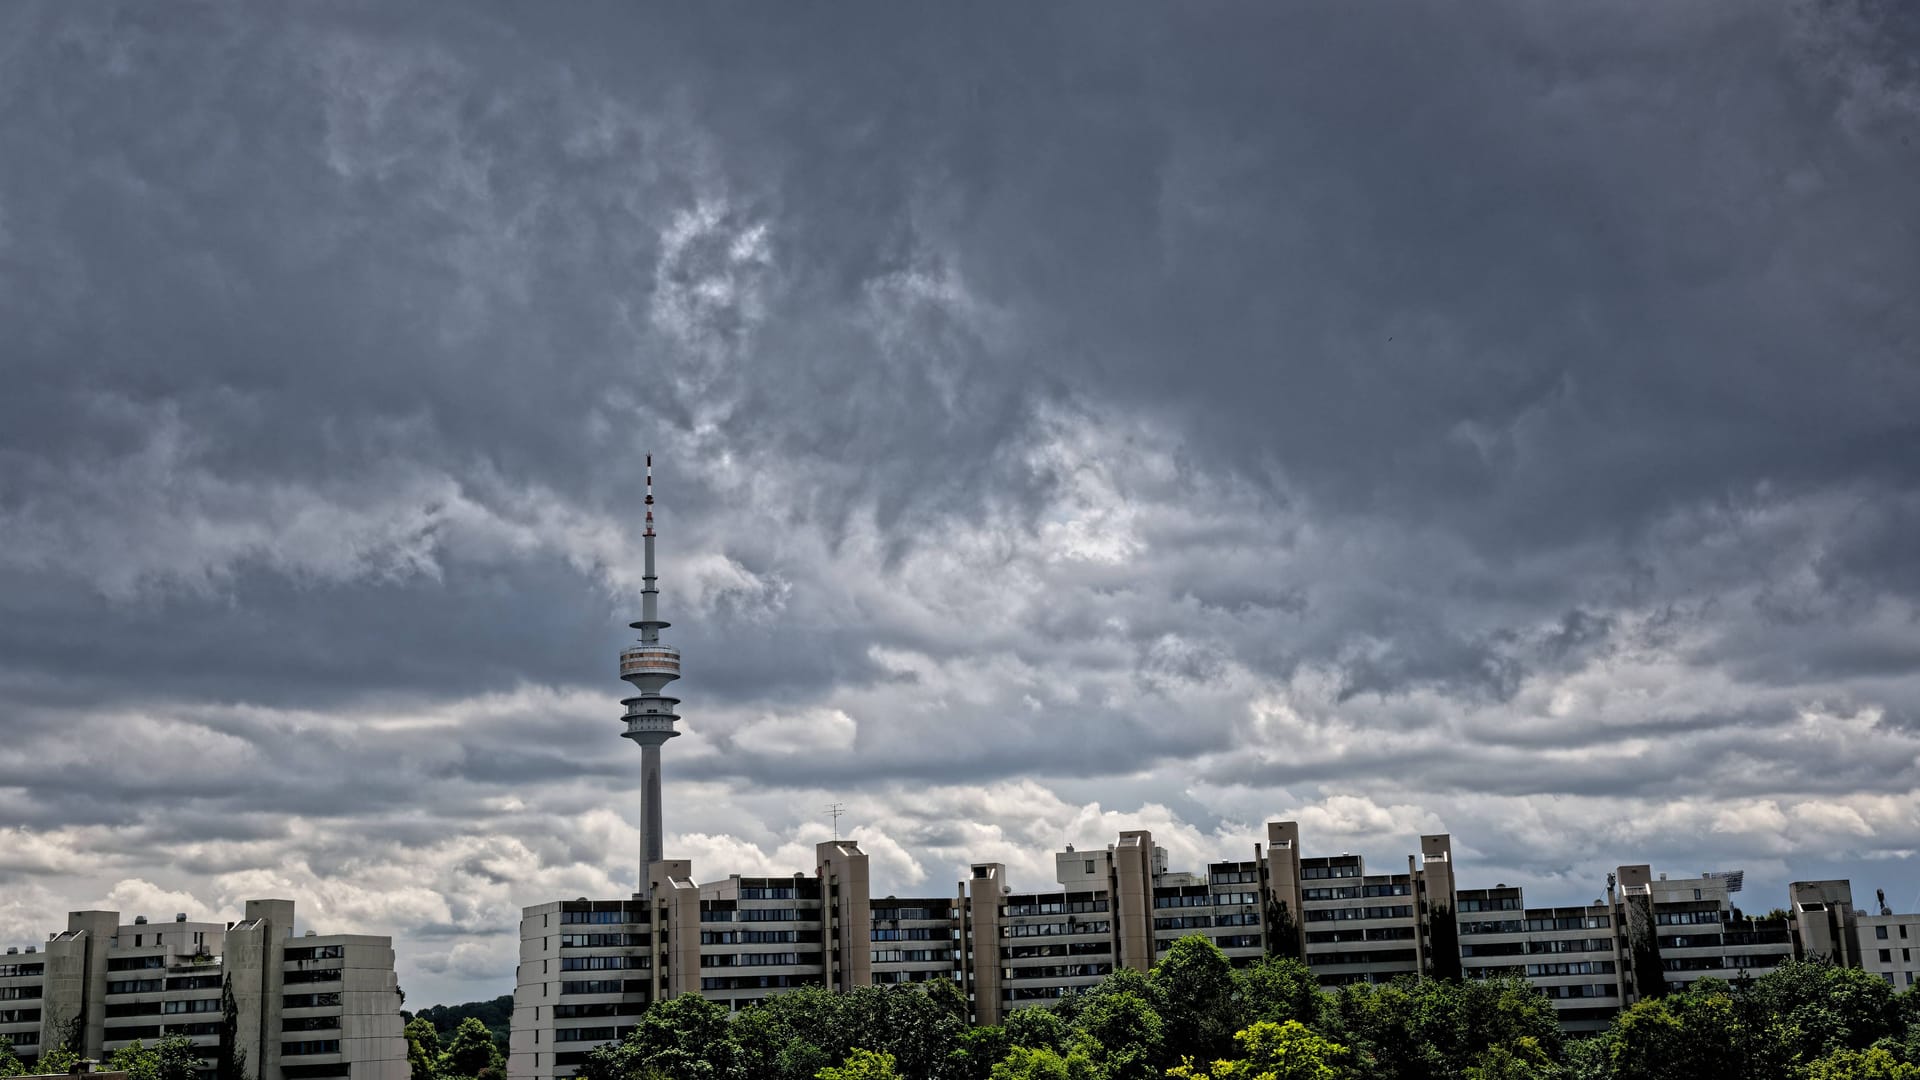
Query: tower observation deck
x=649, y=665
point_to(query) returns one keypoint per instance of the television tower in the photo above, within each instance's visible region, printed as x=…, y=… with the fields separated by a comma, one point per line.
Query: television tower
x=649, y=666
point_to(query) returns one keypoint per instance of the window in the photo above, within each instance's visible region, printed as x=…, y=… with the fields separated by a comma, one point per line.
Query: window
x=600, y=941
x=592, y=1034
x=595, y=963
x=1574, y=967
x=1395, y=911
x=136, y=963
x=193, y=982
x=314, y=1046
x=1880, y=932
x=317, y=952
x=1696, y=894
x=1886, y=956
x=769, y=914
x=602, y=917
x=1184, y=922
x=1089, y=868
x=307, y=975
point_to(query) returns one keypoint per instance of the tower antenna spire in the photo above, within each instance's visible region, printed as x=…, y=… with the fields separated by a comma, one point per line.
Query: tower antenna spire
x=650, y=665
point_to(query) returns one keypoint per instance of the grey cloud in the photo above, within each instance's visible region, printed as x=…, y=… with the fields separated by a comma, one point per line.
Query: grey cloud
x=1272, y=396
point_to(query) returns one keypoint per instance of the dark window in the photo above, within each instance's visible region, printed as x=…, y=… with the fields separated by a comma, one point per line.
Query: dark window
x=136, y=963
x=310, y=975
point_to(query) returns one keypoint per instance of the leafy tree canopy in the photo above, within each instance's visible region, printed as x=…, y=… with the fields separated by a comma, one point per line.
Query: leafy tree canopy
x=862, y=1065
x=1199, y=999
x=1024, y=1063
x=1270, y=1051
x=174, y=1057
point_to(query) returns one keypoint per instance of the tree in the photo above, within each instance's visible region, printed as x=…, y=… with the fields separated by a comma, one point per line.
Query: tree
x=1522, y=1061
x=174, y=1057
x=1269, y=1051
x=1281, y=930
x=1877, y=1063
x=496, y=1013
x=1692, y=1035
x=230, y=1059
x=1433, y=1028
x=1121, y=1033
x=473, y=1051
x=1196, y=982
x=793, y=1036
x=979, y=1050
x=1814, y=1008
x=1026, y=1063
x=66, y=1051
x=862, y=1065
x=1036, y=1029
x=9, y=1062
x=1279, y=990
x=423, y=1049
x=1443, y=942
x=682, y=1038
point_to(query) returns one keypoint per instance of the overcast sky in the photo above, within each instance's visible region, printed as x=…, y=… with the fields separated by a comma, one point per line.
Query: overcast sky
x=1493, y=417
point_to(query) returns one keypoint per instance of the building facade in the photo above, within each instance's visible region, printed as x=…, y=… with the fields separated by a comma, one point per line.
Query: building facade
x=302, y=1007
x=588, y=968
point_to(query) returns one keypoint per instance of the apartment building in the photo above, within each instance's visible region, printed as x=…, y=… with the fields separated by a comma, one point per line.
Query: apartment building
x=1826, y=924
x=304, y=1007
x=589, y=967
x=1890, y=947
x=1595, y=959
x=1678, y=931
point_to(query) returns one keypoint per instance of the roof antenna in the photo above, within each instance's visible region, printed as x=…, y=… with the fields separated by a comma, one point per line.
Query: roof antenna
x=834, y=810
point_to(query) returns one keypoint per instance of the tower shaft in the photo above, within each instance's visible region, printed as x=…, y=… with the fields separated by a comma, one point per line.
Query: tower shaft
x=652, y=834
x=650, y=665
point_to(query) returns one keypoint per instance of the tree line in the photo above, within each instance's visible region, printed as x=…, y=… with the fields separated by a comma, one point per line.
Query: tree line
x=1194, y=1016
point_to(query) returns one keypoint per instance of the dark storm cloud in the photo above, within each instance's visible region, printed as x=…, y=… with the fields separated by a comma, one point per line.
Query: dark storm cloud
x=1478, y=416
